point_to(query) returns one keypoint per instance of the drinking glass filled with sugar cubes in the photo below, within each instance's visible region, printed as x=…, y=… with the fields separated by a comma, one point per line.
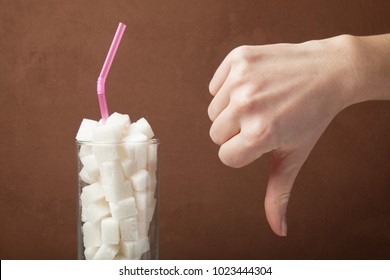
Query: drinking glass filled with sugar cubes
x=118, y=190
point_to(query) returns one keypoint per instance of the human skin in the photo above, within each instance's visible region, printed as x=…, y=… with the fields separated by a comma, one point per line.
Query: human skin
x=280, y=98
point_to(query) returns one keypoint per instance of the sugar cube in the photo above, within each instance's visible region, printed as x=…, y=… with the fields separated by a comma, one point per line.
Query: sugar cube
x=85, y=150
x=146, y=215
x=152, y=181
x=128, y=167
x=91, y=193
x=141, y=155
x=144, y=199
x=121, y=120
x=110, y=231
x=117, y=192
x=123, y=209
x=91, y=234
x=106, y=152
x=142, y=215
x=106, y=252
x=113, y=181
x=152, y=158
x=143, y=228
x=84, y=213
x=111, y=172
x=142, y=126
x=127, y=248
x=135, y=136
x=128, y=228
x=97, y=210
x=107, y=134
x=128, y=150
x=91, y=166
x=132, y=142
x=142, y=246
x=85, y=130
x=120, y=257
x=90, y=252
x=140, y=180
x=86, y=177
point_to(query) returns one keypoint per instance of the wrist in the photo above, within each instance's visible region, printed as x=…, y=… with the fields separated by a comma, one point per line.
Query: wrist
x=348, y=69
x=365, y=63
x=373, y=54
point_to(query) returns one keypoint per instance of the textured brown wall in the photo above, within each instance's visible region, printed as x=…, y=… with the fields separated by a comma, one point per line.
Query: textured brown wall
x=51, y=53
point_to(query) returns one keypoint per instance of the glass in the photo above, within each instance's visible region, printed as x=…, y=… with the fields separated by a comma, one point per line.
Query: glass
x=118, y=200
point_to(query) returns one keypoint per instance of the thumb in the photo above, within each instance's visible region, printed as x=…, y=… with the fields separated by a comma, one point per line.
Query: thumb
x=284, y=170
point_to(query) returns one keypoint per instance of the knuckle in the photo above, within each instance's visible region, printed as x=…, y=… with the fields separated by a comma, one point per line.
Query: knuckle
x=242, y=53
x=278, y=199
x=243, y=103
x=237, y=82
x=257, y=132
x=284, y=198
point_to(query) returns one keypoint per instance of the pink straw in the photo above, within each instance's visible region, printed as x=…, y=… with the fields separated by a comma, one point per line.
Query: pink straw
x=106, y=68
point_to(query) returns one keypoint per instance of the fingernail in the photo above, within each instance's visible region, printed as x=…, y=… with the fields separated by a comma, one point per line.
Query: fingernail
x=284, y=226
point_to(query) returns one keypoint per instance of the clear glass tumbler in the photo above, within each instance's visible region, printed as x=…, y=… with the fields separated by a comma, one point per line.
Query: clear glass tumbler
x=118, y=200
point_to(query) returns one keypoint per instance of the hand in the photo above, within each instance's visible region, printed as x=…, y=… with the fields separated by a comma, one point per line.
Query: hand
x=279, y=99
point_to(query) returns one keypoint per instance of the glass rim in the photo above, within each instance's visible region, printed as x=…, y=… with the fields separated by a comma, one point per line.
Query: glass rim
x=152, y=141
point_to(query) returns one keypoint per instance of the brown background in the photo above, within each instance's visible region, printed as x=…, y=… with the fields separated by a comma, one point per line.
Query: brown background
x=51, y=53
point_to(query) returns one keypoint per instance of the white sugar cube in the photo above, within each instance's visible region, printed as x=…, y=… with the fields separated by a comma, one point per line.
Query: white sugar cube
x=106, y=152
x=143, y=229
x=142, y=246
x=142, y=215
x=91, y=166
x=111, y=172
x=128, y=167
x=135, y=136
x=91, y=193
x=146, y=215
x=91, y=234
x=128, y=228
x=152, y=181
x=86, y=177
x=85, y=150
x=127, y=248
x=97, y=210
x=142, y=126
x=122, y=152
x=113, y=181
x=140, y=180
x=123, y=209
x=107, y=134
x=131, y=143
x=84, y=213
x=129, y=150
x=144, y=199
x=121, y=120
x=117, y=192
x=152, y=158
x=141, y=155
x=151, y=210
x=110, y=231
x=120, y=257
x=85, y=131
x=127, y=189
x=90, y=252
x=106, y=252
